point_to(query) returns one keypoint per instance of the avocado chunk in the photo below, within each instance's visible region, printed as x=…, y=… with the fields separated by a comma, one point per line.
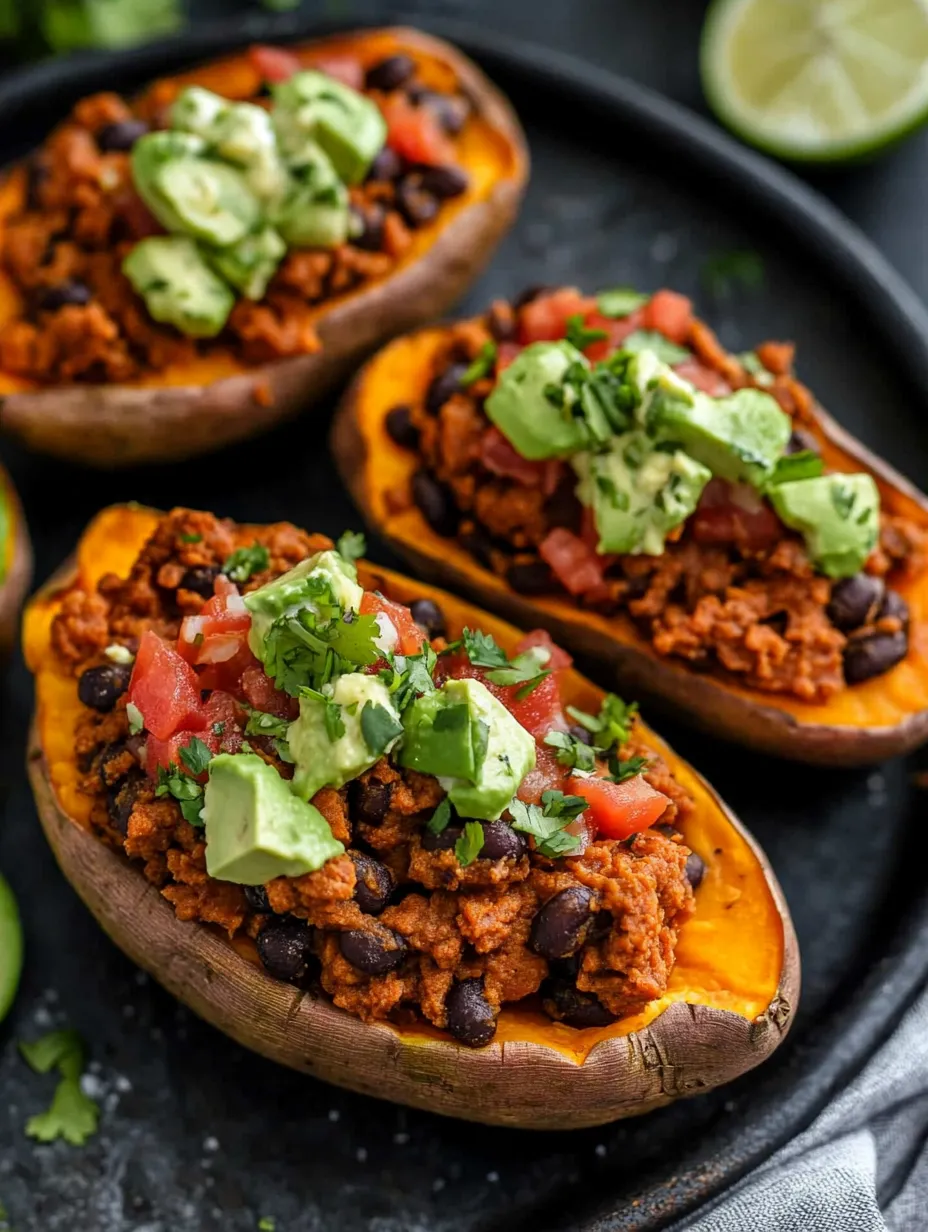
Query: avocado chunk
x=210, y=200
x=313, y=212
x=341, y=732
x=326, y=584
x=739, y=437
x=837, y=515
x=178, y=286
x=239, y=133
x=468, y=739
x=152, y=152
x=196, y=110
x=250, y=264
x=256, y=828
x=534, y=407
x=349, y=127
x=638, y=492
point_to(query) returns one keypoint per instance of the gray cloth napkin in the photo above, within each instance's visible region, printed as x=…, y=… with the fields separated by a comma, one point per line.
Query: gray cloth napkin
x=861, y=1166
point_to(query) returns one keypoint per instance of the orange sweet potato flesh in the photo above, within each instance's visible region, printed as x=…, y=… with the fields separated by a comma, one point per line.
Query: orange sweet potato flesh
x=192, y=409
x=15, y=562
x=730, y=1001
x=882, y=717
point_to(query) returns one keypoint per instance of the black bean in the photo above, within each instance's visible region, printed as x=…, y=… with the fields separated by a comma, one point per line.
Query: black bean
x=533, y=577
x=63, y=294
x=530, y=293
x=855, y=601
x=386, y=166
x=865, y=657
x=443, y=386
x=436, y=503
x=415, y=203
x=400, y=427
x=374, y=951
x=101, y=687
x=502, y=325
x=373, y=883
x=370, y=801
x=444, y=182
x=695, y=869
x=444, y=840
x=579, y=732
x=470, y=1018
x=257, y=899
x=501, y=842
x=120, y=799
x=368, y=226
x=565, y=1003
x=200, y=579
x=561, y=926
x=285, y=947
x=480, y=546
x=120, y=136
x=391, y=73
x=895, y=606
x=429, y=617
x=450, y=110
x=802, y=440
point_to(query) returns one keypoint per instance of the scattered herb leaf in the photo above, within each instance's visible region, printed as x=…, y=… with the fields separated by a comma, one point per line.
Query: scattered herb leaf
x=620, y=301
x=196, y=756
x=571, y=751
x=483, y=650
x=650, y=340
x=470, y=844
x=612, y=726
x=191, y=538
x=379, y=728
x=806, y=464
x=246, y=562
x=579, y=336
x=547, y=823
x=72, y=1116
x=481, y=366
x=440, y=818
x=351, y=545
x=620, y=770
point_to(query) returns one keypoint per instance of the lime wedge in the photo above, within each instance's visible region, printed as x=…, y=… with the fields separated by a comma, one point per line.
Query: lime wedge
x=817, y=80
x=11, y=948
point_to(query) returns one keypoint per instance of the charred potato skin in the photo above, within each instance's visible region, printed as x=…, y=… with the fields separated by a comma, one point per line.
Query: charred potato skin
x=370, y=463
x=112, y=426
x=17, y=552
x=527, y=1083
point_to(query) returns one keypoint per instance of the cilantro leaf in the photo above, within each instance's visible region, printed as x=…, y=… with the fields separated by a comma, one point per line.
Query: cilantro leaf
x=526, y=668
x=620, y=770
x=650, y=340
x=51, y=1050
x=547, y=824
x=579, y=336
x=481, y=366
x=557, y=805
x=185, y=790
x=196, y=756
x=246, y=562
x=308, y=648
x=483, y=650
x=379, y=728
x=620, y=301
x=414, y=679
x=351, y=545
x=440, y=818
x=805, y=464
x=191, y=538
x=263, y=724
x=72, y=1115
x=612, y=726
x=571, y=751
x=470, y=844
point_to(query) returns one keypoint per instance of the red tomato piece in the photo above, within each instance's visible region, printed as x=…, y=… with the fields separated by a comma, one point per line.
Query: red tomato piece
x=505, y=354
x=410, y=638
x=540, y=711
x=414, y=132
x=346, y=69
x=573, y=562
x=165, y=752
x=734, y=513
x=545, y=319
x=548, y=775
x=618, y=810
x=559, y=659
x=500, y=457
x=220, y=631
x=135, y=216
x=274, y=64
x=615, y=329
x=227, y=675
x=703, y=377
x=670, y=314
x=259, y=691
x=777, y=357
x=164, y=687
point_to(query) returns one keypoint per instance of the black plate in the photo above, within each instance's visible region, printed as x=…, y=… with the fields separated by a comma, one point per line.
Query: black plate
x=199, y=1135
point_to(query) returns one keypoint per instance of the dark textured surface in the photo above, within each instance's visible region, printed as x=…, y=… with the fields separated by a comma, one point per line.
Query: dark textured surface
x=198, y=1136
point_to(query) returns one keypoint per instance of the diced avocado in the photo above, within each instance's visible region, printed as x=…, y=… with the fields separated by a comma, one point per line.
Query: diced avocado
x=838, y=516
x=341, y=734
x=211, y=201
x=149, y=154
x=256, y=828
x=196, y=110
x=240, y=133
x=178, y=286
x=533, y=407
x=251, y=263
x=638, y=492
x=313, y=212
x=467, y=738
x=311, y=107
x=739, y=437
x=326, y=583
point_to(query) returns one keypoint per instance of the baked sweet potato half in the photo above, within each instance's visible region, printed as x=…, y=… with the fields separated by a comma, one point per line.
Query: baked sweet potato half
x=95, y=367
x=731, y=621
x=15, y=562
x=726, y=1003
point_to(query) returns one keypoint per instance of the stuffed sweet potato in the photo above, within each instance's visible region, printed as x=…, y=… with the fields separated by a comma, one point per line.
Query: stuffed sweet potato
x=15, y=562
x=182, y=269
x=565, y=927
x=691, y=518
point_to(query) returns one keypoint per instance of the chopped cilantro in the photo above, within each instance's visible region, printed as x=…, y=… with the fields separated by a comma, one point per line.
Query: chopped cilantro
x=611, y=727
x=72, y=1115
x=620, y=770
x=470, y=844
x=379, y=728
x=723, y=272
x=440, y=818
x=806, y=464
x=191, y=538
x=186, y=791
x=246, y=562
x=579, y=336
x=414, y=679
x=547, y=824
x=526, y=669
x=196, y=756
x=482, y=649
x=650, y=340
x=136, y=719
x=620, y=301
x=262, y=724
x=571, y=751
x=219, y=728
x=351, y=545
x=843, y=498
x=481, y=366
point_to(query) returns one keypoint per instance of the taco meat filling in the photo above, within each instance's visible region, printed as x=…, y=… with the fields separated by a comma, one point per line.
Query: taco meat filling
x=456, y=838
x=125, y=269
x=729, y=582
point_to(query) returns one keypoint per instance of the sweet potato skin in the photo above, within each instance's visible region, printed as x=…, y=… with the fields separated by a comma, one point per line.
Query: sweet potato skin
x=18, y=575
x=110, y=426
x=863, y=724
x=537, y=1074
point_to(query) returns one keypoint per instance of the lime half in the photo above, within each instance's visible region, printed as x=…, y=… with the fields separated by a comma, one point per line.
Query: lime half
x=11, y=948
x=817, y=80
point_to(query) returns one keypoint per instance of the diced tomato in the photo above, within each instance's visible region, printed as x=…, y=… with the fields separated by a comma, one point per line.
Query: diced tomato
x=545, y=319
x=670, y=314
x=220, y=631
x=559, y=659
x=618, y=810
x=734, y=513
x=164, y=752
x=615, y=329
x=572, y=561
x=500, y=457
x=777, y=357
x=548, y=775
x=346, y=69
x=135, y=215
x=505, y=354
x=274, y=63
x=410, y=637
x=415, y=133
x=163, y=687
x=703, y=377
x=540, y=711
x=259, y=691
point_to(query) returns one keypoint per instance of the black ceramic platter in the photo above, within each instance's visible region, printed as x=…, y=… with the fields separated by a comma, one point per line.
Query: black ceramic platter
x=198, y=1136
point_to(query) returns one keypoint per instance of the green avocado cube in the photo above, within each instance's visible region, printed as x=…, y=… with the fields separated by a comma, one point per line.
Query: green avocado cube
x=312, y=107
x=838, y=515
x=533, y=406
x=325, y=583
x=250, y=264
x=178, y=286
